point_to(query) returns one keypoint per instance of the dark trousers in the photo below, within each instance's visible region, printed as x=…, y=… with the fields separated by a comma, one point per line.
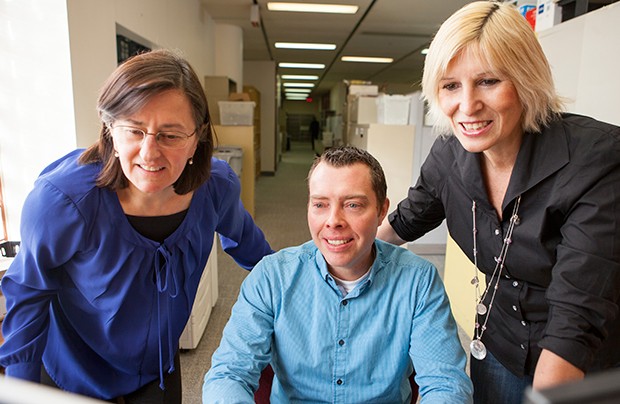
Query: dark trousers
x=150, y=393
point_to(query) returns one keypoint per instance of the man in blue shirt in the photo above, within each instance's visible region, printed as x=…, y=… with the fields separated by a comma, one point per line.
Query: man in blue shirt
x=344, y=318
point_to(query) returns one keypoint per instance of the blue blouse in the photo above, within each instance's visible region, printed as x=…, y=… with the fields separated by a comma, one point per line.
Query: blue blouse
x=324, y=347
x=100, y=305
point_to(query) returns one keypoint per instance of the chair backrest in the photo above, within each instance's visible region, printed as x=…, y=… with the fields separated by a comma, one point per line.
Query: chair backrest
x=266, y=379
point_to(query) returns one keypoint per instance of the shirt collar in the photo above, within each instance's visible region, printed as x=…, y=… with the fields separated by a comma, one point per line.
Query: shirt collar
x=541, y=154
x=377, y=266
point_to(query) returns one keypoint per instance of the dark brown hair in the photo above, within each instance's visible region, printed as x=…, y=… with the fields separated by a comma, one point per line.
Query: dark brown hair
x=345, y=156
x=127, y=90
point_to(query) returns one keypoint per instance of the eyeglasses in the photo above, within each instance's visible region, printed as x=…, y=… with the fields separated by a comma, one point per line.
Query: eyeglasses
x=168, y=139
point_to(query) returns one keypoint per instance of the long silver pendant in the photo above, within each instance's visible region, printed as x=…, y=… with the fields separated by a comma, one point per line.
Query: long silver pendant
x=481, y=309
x=477, y=349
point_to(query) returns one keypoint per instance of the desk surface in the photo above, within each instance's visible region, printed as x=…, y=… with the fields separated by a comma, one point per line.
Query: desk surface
x=4, y=264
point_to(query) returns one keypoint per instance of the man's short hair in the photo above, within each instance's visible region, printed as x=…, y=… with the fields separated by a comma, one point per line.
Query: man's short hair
x=344, y=156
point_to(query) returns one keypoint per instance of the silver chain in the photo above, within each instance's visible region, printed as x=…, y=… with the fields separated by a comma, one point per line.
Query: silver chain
x=481, y=309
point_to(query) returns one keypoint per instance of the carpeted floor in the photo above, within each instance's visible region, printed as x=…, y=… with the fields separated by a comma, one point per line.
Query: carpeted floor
x=281, y=214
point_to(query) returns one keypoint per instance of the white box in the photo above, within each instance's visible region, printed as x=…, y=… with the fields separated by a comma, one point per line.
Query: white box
x=236, y=112
x=393, y=109
x=548, y=14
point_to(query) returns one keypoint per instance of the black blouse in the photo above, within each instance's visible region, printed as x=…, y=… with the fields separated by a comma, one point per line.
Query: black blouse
x=560, y=288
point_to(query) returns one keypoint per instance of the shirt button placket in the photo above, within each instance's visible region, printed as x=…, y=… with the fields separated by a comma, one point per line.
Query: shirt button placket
x=341, y=351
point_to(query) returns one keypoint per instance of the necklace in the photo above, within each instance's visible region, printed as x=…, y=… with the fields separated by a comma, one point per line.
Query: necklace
x=477, y=348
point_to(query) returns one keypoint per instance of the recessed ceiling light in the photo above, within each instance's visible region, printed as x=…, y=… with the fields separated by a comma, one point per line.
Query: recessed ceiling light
x=297, y=90
x=365, y=59
x=302, y=65
x=300, y=45
x=312, y=8
x=299, y=77
x=299, y=85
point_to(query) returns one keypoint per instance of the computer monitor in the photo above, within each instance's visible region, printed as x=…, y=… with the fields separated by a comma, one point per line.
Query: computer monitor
x=17, y=391
x=597, y=388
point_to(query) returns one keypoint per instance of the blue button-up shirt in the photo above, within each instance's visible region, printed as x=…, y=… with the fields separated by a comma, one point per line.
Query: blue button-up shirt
x=325, y=347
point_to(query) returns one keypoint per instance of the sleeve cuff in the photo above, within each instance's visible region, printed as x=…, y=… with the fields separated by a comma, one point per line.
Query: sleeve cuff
x=571, y=351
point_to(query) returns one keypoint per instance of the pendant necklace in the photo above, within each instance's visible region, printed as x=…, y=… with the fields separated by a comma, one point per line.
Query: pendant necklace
x=477, y=348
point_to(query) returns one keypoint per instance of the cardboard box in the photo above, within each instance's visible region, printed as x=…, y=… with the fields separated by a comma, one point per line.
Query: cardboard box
x=239, y=97
x=363, y=89
x=548, y=14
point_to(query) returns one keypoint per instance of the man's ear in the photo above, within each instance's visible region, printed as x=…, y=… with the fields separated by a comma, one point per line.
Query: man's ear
x=384, y=210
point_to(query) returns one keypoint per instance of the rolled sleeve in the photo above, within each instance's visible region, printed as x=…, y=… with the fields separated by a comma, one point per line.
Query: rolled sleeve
x=585, y=287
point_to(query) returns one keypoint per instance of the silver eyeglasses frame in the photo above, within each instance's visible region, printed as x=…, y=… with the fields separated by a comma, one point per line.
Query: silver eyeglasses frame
x=168, y=139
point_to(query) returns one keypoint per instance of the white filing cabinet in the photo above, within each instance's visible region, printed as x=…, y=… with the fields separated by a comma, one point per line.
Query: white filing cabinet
x=206, y=297
x=392, y=146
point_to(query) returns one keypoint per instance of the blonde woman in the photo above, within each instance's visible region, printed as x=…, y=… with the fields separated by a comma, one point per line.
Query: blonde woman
x=530, y=194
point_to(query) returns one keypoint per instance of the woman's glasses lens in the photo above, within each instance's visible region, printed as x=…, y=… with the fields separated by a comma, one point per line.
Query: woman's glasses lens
x=169, y=139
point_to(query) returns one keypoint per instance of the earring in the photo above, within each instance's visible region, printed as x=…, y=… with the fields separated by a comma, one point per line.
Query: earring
x=190, y=161
x=116, y=154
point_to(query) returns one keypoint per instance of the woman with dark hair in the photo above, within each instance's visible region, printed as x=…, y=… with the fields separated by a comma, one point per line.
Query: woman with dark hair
x=530, y=194
x=115, y=239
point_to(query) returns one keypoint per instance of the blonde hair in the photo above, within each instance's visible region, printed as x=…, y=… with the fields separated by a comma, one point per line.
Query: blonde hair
x=500, y=37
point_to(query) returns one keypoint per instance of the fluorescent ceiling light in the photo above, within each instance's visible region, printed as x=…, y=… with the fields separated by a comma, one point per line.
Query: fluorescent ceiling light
x=302, y=65
x=298, y=90
x=365, y=59
x=299, y=77
x=312, y=8
x=299, y=85
x=301, y=45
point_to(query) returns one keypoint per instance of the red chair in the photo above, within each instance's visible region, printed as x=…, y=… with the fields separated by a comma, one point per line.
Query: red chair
x=266, y=379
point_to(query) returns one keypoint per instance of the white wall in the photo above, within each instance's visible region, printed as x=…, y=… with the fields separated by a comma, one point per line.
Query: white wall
x=262, y=75
x=584, y=54
x=37, y=121
x=56, y=54
x=182, y=25
x=229, y=53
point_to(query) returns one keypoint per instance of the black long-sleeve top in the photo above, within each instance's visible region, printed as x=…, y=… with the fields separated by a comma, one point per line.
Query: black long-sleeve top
x=560, y=287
